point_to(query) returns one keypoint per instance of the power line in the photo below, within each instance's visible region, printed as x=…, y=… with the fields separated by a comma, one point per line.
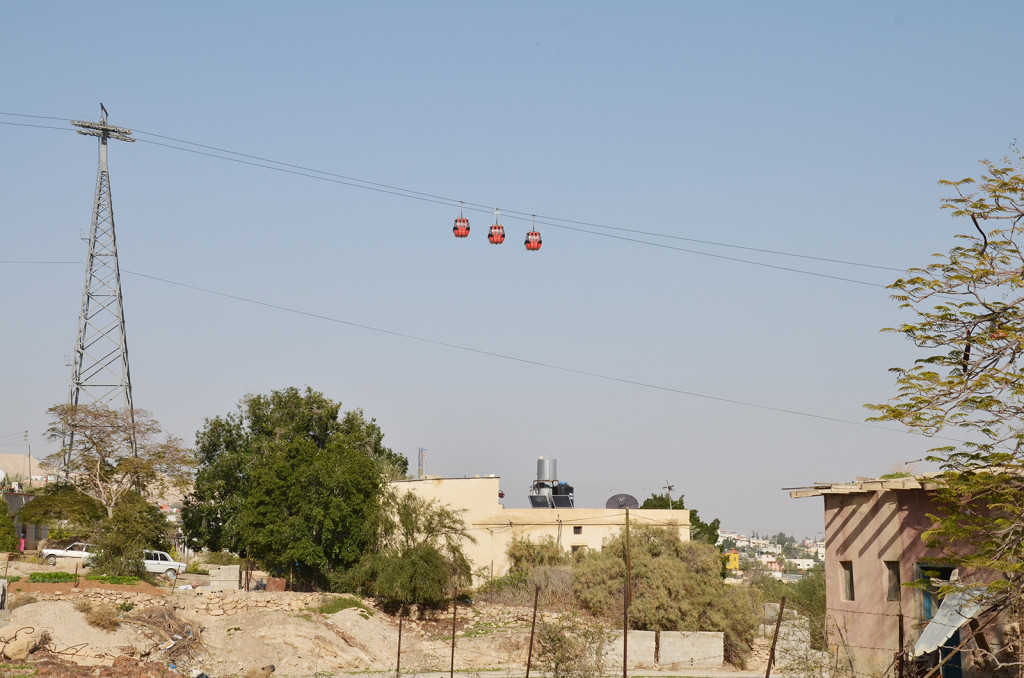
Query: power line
x=494, y=354
x=504, y=356
x=380, y=188
x=545, y=220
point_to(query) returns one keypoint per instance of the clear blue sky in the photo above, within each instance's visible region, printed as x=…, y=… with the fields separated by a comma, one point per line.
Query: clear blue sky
x=807, y=128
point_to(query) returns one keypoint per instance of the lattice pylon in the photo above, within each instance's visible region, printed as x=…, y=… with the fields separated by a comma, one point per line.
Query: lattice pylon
x=100, y=373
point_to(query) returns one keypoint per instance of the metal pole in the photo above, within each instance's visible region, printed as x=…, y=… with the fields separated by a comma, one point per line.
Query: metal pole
x=533, y=627
x=775, y=639
x=455, y=612
x=398, y=661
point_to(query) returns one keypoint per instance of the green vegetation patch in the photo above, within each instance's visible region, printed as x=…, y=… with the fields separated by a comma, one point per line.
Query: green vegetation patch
x=339, y=603
x=50, y=577
x=110, y=579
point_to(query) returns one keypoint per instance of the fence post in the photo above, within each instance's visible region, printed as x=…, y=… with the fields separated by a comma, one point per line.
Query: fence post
x=533, y=627
x=775, y=638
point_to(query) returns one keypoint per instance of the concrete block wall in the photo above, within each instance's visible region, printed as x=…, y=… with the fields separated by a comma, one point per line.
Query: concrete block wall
x=226, y=578
x=639, y=651
x=684, y=649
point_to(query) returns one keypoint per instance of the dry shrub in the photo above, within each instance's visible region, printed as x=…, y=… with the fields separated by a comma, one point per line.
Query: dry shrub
x=83, y=605
x=103, y=617
x=22, y=599
x=572, y=647
x=518, y=587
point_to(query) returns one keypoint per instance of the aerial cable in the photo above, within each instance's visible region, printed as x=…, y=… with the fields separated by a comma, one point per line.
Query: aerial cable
x=517, y=359
x=438, y=199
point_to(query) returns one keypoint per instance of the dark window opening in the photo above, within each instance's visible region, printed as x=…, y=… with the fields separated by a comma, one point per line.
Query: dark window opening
x=893, y=569
x=577, y=529
x=848, y=592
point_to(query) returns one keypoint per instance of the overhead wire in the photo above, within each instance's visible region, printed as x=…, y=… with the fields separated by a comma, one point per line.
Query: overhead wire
x=517, y=359
x=544, y=220
x=299, y=170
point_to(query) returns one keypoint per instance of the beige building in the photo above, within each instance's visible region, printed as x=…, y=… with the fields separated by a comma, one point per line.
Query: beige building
x=494, y=526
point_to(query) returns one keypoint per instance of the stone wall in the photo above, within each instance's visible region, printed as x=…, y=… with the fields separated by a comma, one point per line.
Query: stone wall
x=202, y=602
x=139, y=601
x=216, y=603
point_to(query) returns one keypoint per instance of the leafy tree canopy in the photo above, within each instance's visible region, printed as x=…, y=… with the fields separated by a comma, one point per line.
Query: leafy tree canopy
x=8, y=538
x=418, y=555
x=63, y=506
x=677, y=586
x=120, y=540
x=114, y=452
x=967, y=317
x=287, y=482
x=699, y=530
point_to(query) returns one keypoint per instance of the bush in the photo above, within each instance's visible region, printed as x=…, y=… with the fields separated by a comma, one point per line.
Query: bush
x=103, y=617
x=196, y=567
x=526, y=554
x=50, y=577
x=107, y=579
x=572, y=647
x=135, y=526
x=517, y=587
x=339, y=603
x=8, y=539
x=677, y=586
x=220, y=558
x=21, y=599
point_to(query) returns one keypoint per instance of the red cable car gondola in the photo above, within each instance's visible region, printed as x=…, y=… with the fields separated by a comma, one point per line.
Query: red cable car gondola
x=461, y=227
x=533, y=240
x=497, y=234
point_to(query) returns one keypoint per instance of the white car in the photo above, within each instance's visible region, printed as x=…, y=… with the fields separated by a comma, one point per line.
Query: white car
x=158, y=562
x=80, y=550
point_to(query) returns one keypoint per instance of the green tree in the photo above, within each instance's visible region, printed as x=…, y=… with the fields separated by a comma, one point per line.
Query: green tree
x=8, y=538
x=699, y=530
x=115, y=452
x=65, y=510
x=285, y=481
x=418, y=555
x=677, y=586
x=967, y=311
x=120, y=540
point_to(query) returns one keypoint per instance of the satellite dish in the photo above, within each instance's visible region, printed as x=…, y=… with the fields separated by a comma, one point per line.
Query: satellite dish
x=621, y=501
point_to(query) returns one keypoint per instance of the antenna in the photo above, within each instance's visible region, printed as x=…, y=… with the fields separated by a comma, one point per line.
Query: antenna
x=100, y=371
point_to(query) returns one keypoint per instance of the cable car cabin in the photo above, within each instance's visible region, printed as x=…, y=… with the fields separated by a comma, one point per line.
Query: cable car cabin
x=497, y=235
x=461, y=227
x=533, y=241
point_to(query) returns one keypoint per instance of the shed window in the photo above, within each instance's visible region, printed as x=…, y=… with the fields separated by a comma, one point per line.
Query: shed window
x=892, y=568
x=847, y=566
x=577, y=529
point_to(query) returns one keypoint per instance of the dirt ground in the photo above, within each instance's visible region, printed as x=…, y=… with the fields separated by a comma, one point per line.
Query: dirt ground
x=298, y=642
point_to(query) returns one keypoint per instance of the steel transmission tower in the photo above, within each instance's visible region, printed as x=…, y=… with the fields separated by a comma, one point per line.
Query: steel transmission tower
x=100, y=372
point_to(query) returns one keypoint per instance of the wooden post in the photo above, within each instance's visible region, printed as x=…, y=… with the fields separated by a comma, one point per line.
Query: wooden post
x=775, y=638
x=533, y=627
x=900, y=653
x=455, y=612
x=625, y=603
x=398, y=661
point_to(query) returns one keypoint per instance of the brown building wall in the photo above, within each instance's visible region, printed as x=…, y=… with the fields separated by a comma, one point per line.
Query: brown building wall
x=864, y=531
